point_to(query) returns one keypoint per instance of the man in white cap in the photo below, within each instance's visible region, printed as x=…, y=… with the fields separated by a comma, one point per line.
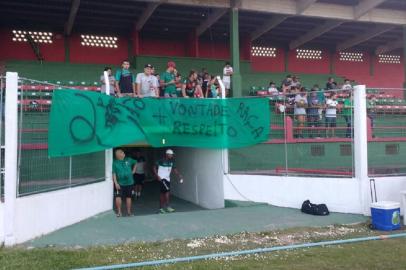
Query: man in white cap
x=162, y=171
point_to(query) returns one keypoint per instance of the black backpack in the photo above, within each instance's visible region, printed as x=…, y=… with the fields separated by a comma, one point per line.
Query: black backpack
x=314, y=209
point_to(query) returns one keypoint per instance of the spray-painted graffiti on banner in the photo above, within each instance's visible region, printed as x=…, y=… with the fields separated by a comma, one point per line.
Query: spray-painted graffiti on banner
x=83, y=122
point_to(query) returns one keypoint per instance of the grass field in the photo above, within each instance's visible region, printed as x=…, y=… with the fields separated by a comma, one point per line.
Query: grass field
x=386, y=254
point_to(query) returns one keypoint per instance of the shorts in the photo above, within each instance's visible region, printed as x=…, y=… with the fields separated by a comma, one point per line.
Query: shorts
x=331, y=122
x=124, y=191
x=139, y=178
x=227, y=84
x=165, y=185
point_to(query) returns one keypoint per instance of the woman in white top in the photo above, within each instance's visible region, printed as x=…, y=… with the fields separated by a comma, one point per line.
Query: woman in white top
x=300, y=111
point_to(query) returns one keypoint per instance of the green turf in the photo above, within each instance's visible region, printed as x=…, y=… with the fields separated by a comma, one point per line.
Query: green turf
x=386, y=254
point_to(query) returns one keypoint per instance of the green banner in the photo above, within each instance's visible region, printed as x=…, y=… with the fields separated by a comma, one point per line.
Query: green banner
x=83, y=122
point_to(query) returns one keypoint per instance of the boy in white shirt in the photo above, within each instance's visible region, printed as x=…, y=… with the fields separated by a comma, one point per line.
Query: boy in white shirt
x=227, y=73
x=331, y=114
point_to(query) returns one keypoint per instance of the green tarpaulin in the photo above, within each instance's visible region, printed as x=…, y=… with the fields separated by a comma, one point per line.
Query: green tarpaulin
x=83, y=122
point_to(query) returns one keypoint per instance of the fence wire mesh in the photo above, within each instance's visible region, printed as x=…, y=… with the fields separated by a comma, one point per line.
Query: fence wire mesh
x=311, y=135
x=386, y=131
x=38, y=172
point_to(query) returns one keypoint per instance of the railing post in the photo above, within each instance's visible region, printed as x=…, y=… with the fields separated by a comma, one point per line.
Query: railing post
x=108, y=154
x=361, y=147
x=11, y=150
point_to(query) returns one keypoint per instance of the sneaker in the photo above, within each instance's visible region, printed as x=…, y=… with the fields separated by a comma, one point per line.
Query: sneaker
x=170, y=209
x=161, y=211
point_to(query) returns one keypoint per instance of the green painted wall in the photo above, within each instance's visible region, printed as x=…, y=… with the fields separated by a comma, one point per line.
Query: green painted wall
x=53, y=71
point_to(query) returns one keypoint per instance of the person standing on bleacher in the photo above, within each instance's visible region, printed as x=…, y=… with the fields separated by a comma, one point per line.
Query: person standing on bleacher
x=125, y=81
x=111, y=82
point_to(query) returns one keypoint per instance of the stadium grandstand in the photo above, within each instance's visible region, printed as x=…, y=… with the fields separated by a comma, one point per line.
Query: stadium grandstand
x=319, y=51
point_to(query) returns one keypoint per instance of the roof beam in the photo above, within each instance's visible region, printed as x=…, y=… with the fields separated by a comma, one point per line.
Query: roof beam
x=146, y=15
x=390, y=46
x=324, y=10
x=365, y=6
x=314, y=33
x=210, y=20
x=265, y=28
x=302, y=5
x=72, y=16
x=376, y=31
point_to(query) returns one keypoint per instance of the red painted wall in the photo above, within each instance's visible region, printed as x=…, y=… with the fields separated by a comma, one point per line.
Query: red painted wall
x=269, y=64
x=388, y=75
x=162, y=47
x=10, y=50
x=310, y=66
x=95, y=55
x=353, y=70
x=214, y=50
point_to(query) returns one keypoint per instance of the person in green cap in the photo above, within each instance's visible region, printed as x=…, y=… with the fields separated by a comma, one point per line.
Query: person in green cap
x=123, y=170
x=168, y=82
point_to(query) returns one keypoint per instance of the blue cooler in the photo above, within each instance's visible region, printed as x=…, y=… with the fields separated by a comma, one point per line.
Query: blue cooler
x=385, y=215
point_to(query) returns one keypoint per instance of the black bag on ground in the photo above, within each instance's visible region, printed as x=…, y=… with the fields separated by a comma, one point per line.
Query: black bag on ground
x=314, y=209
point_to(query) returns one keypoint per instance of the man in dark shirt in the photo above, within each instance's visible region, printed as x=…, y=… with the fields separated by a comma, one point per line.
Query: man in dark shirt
x=331, y=84
x=125, y=81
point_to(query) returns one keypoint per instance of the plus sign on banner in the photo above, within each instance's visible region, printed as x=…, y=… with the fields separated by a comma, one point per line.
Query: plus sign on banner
x=83, y=122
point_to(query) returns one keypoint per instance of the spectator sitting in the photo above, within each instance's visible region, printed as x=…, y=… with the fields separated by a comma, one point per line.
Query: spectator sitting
x=295, y=82
x=112, y=81
x=331, y=114
x=331, y=84
x=272, y=90
x=313, y=118
x=300, y=111
x=178, y=83
x=286, y=84
x=214, y=88
x=190, y=87
x=347, y=85
x=205, y=84
x=156, y=80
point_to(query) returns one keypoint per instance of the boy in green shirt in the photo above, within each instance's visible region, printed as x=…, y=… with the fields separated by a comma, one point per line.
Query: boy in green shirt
x=168, y=82
x=123, y=170
x=347, y=114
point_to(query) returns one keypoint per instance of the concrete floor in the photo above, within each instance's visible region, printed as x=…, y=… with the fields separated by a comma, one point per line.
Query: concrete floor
x=189, y=221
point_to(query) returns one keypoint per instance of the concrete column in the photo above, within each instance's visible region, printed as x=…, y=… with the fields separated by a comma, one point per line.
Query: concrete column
x=11, y=149
x=286, y=59
x=332, y=61
x=361, y=147
x=134, y=44
x=108, y=158
x=235, y=53
x=67, y=48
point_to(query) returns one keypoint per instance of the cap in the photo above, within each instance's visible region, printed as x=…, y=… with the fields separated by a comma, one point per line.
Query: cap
x=148, y=66
x=171, y=64
x=169, y=152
